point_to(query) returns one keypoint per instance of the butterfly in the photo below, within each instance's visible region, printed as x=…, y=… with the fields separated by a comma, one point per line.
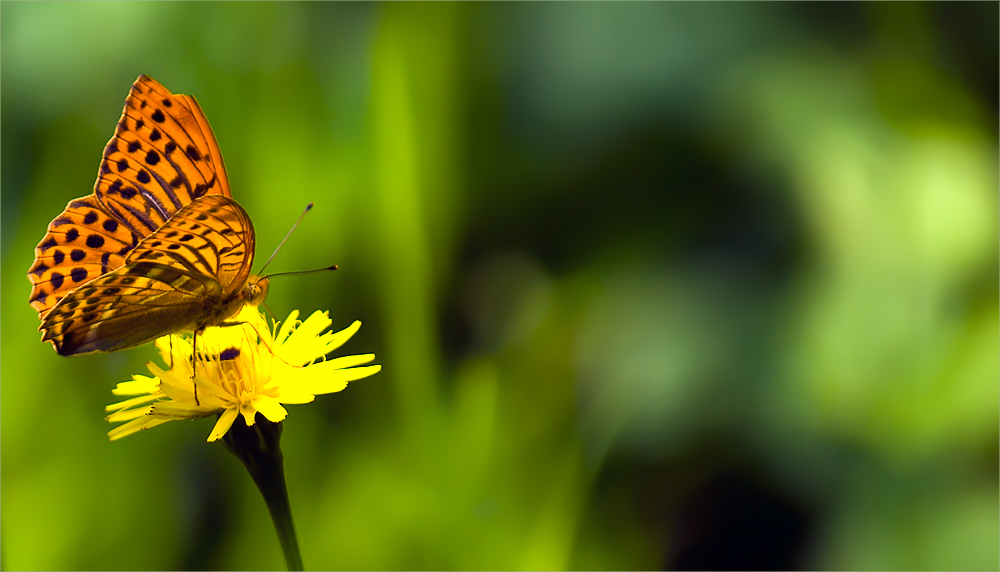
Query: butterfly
x=159, y=247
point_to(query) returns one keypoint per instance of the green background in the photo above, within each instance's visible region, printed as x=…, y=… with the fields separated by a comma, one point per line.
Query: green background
x=652, y=285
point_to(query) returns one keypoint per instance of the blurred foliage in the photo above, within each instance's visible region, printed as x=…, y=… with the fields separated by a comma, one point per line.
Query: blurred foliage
x=653, y=285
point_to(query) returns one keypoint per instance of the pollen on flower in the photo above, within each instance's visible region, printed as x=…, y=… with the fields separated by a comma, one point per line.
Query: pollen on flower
x=241, y=369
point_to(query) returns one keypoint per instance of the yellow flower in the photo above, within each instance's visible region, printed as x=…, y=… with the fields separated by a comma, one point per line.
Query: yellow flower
x=242, y=369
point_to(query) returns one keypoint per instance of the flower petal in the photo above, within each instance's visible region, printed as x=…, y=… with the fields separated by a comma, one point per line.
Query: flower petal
x=286, y=328
x=349, y=361
x=129, y=414
x=134, y=402
x=318, y=380
x=270, y=409
x=140, y=384
x=223, y=424
x=175, y=410
x=140, y=424
x=334, y=341
x=248, y=413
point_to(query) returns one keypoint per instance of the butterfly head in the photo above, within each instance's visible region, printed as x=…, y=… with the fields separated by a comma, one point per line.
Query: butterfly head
x=256, y=290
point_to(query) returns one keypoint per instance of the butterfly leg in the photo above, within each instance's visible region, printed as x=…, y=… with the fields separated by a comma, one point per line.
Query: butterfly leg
x=194, y=365
x=262, y=339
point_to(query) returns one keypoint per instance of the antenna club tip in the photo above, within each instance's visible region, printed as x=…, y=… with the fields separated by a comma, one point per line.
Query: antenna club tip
x=309, y=207
x=334, y=267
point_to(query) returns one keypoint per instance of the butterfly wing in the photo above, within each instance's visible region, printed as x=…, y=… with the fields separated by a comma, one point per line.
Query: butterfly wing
x=127, y=307
x=212, y=236
x=162, y=156
x=170, y=282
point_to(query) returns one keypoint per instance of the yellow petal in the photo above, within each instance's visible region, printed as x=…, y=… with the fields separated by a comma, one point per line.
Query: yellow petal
x=317, y=380
x=286, y=327
x=349, y=361
x=338, y=339
x=175, y=410
x=129, y=403
x=140, y=384
x=311, y=327
x=248, y=413
x=223, y=424
x=270, y=409
x=140, y=424
x=129, y=414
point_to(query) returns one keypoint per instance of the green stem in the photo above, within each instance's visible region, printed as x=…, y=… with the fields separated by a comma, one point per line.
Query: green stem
x=258, y=448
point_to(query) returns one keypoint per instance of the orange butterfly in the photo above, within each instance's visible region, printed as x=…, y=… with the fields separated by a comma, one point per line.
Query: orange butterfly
x=159, y=247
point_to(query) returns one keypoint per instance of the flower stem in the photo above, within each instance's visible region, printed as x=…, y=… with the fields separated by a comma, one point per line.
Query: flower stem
x=258, y=448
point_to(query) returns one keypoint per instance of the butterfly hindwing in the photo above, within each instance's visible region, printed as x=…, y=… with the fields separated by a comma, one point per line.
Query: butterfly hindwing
x=82, y=243
x=127, y=307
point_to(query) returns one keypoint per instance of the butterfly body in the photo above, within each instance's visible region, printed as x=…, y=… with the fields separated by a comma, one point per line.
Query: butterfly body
x=159, y=247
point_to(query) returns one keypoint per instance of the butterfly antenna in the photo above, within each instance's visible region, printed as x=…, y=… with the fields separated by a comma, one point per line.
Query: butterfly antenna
x=282, y=243
x=331, y=267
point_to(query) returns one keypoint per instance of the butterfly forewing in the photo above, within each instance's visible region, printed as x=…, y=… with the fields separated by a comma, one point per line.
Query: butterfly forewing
x=160, y=159
x=162, y=156
x=174, y=280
